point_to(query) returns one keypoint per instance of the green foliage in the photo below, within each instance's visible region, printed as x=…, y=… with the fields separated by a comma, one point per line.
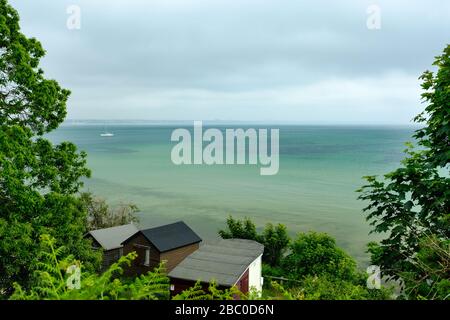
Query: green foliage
x=276, y=241
x=51, y=280
x=277, y=291
x=310, y=267
x=213, y=293
x=317, y=269
x=434, y=136
x=238, y=229
x=324, y=288
x=433, y=260
x=37, y=179
x=412, y=203
x=27, y=98
x=276, y=271
x=100, y=215
x=274, y=238
x=151, y=286
x=316, y=254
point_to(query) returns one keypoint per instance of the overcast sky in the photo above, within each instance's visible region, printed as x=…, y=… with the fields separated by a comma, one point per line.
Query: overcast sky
x=281, y=60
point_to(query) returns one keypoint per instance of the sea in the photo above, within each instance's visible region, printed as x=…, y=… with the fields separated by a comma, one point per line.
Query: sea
x=320, y=169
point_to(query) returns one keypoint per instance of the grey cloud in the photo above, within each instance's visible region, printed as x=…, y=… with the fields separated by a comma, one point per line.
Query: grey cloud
x=225, y=59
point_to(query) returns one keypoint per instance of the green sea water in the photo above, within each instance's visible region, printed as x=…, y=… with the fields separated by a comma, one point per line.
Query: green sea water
x=320, y=169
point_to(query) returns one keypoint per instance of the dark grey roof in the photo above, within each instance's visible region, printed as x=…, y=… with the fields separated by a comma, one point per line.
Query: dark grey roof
x=111, y=238
x=171, y=236
x=224, y=261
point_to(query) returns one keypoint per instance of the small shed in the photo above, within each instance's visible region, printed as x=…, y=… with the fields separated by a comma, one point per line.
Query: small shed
x=170, y=243
x=228, y=262
x=110, y=241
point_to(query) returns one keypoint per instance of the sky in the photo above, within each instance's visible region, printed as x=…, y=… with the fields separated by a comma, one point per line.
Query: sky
x=312, y=62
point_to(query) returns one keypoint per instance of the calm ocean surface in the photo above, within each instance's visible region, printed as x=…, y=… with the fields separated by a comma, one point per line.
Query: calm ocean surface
x=320, y=169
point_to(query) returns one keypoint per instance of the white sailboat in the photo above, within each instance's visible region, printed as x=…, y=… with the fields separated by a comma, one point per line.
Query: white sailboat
x=106, y=134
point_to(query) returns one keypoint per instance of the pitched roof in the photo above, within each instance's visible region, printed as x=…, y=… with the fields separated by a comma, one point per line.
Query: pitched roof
x=111, y=238
x=171, y=236
x=224, y=261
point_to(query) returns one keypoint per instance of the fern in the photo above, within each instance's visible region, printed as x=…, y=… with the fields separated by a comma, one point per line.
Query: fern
x=50, y=280
x=152, y=286
x=193, y=293
x=213, y=293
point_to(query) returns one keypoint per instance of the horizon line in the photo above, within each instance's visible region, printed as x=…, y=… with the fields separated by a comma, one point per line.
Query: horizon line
x=281, y=122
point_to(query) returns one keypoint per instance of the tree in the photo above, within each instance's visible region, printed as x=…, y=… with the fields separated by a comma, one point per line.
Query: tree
x=276, y=241
x=433, y=260
x=412, y=203
x=316, y=254
x=100, y=215
x=27, y=98
x=274, y=238
x=238, y=229
x=37, y=179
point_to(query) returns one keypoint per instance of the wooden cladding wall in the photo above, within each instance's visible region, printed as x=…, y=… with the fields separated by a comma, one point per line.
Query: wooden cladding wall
x=109, y=257
x=139, y=243
x=174, y=257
